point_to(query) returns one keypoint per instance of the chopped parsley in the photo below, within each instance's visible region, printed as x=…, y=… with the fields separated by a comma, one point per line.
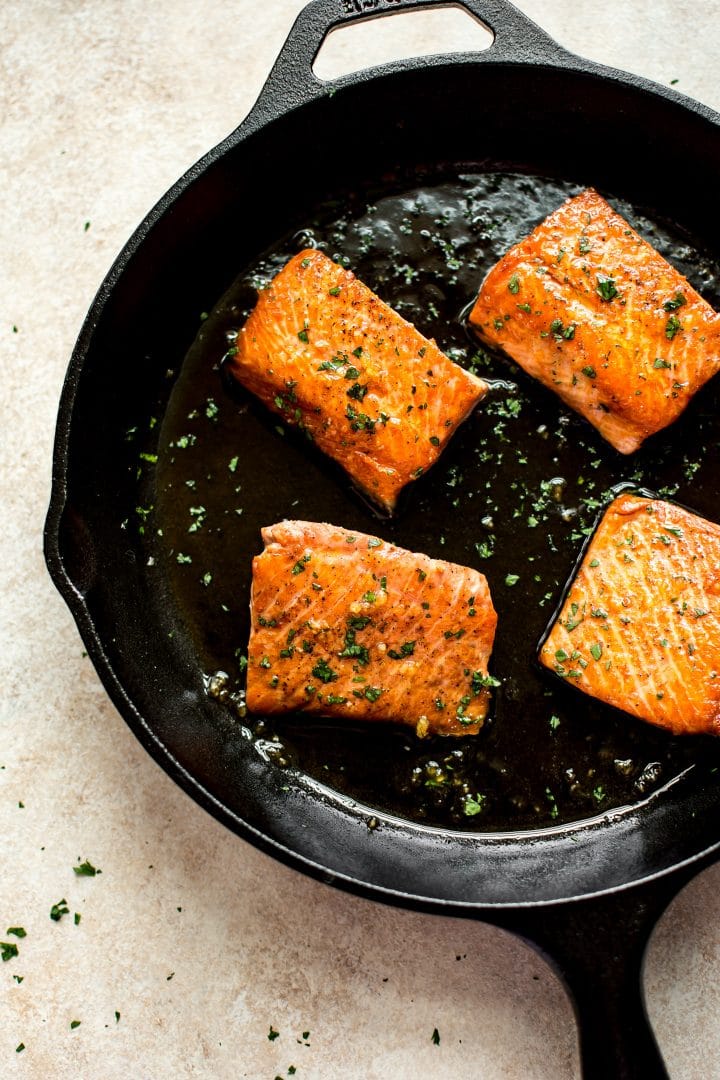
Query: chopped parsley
x=514, y=284
x=58, y=910
x=323, y=672
x=272, y=1034
x=660, y=363
x=590, y=372
x=672, y=327
x=352, y=650
x=406, y=649
x=435, y=1037
x=512, y=579
x=559, y=332
x=359, y=421
x=86, y=869
x=17, y=931
x=75, y=1024
x=357, y=391
x=8, y=949
x=372, y=693
x=299, y=566
x=480, y=682
x=677, y=302
x=606, y=289
x=303, y=335
x=596, y=650
x=473, y=805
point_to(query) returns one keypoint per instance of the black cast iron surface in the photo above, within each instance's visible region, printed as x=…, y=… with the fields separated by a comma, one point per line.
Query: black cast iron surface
x=303, y=144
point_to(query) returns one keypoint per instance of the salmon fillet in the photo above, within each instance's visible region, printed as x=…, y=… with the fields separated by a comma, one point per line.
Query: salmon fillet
x=331, y=358
x=640, y=626
x=347, y=625
x=596, y=314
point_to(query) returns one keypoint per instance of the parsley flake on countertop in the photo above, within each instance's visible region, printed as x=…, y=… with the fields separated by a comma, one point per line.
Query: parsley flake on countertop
x=86, y=869
x=58, y=910
x=436, y=1037
x=8, y=949
x=272, y=1034
x=18, y=931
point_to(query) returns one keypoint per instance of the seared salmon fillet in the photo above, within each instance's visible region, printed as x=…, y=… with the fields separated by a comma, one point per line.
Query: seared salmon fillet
x=590, y=309
x=330, y=357
x=640, y=626
x=347, y=625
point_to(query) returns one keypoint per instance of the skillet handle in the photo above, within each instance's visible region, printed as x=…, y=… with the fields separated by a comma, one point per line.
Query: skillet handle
x=292, y=82
x=598, y=947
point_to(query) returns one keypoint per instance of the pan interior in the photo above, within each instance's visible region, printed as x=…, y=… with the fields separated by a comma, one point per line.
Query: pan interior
x=157, y=624
x=515, y=495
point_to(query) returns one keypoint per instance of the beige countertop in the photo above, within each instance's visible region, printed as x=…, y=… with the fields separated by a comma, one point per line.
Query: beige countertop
x=191, y=943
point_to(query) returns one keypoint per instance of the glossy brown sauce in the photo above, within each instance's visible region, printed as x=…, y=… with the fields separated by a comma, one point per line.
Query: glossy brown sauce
x=515, y=495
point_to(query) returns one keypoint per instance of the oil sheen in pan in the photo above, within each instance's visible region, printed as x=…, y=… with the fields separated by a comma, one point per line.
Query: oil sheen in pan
x=515, y=495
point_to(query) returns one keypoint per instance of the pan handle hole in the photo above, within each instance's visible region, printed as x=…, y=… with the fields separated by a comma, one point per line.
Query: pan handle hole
x=401, y=35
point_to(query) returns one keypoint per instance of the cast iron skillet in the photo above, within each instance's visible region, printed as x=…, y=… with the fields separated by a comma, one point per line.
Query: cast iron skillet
x=588, y=894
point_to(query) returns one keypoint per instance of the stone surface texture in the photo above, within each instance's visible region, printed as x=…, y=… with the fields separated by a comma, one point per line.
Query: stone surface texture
x=199, y=942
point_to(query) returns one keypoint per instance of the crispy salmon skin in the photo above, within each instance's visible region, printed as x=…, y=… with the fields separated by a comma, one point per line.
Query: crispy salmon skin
x=590, y=309
x=364, y=385
x=347, y=625
x=640, y=626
